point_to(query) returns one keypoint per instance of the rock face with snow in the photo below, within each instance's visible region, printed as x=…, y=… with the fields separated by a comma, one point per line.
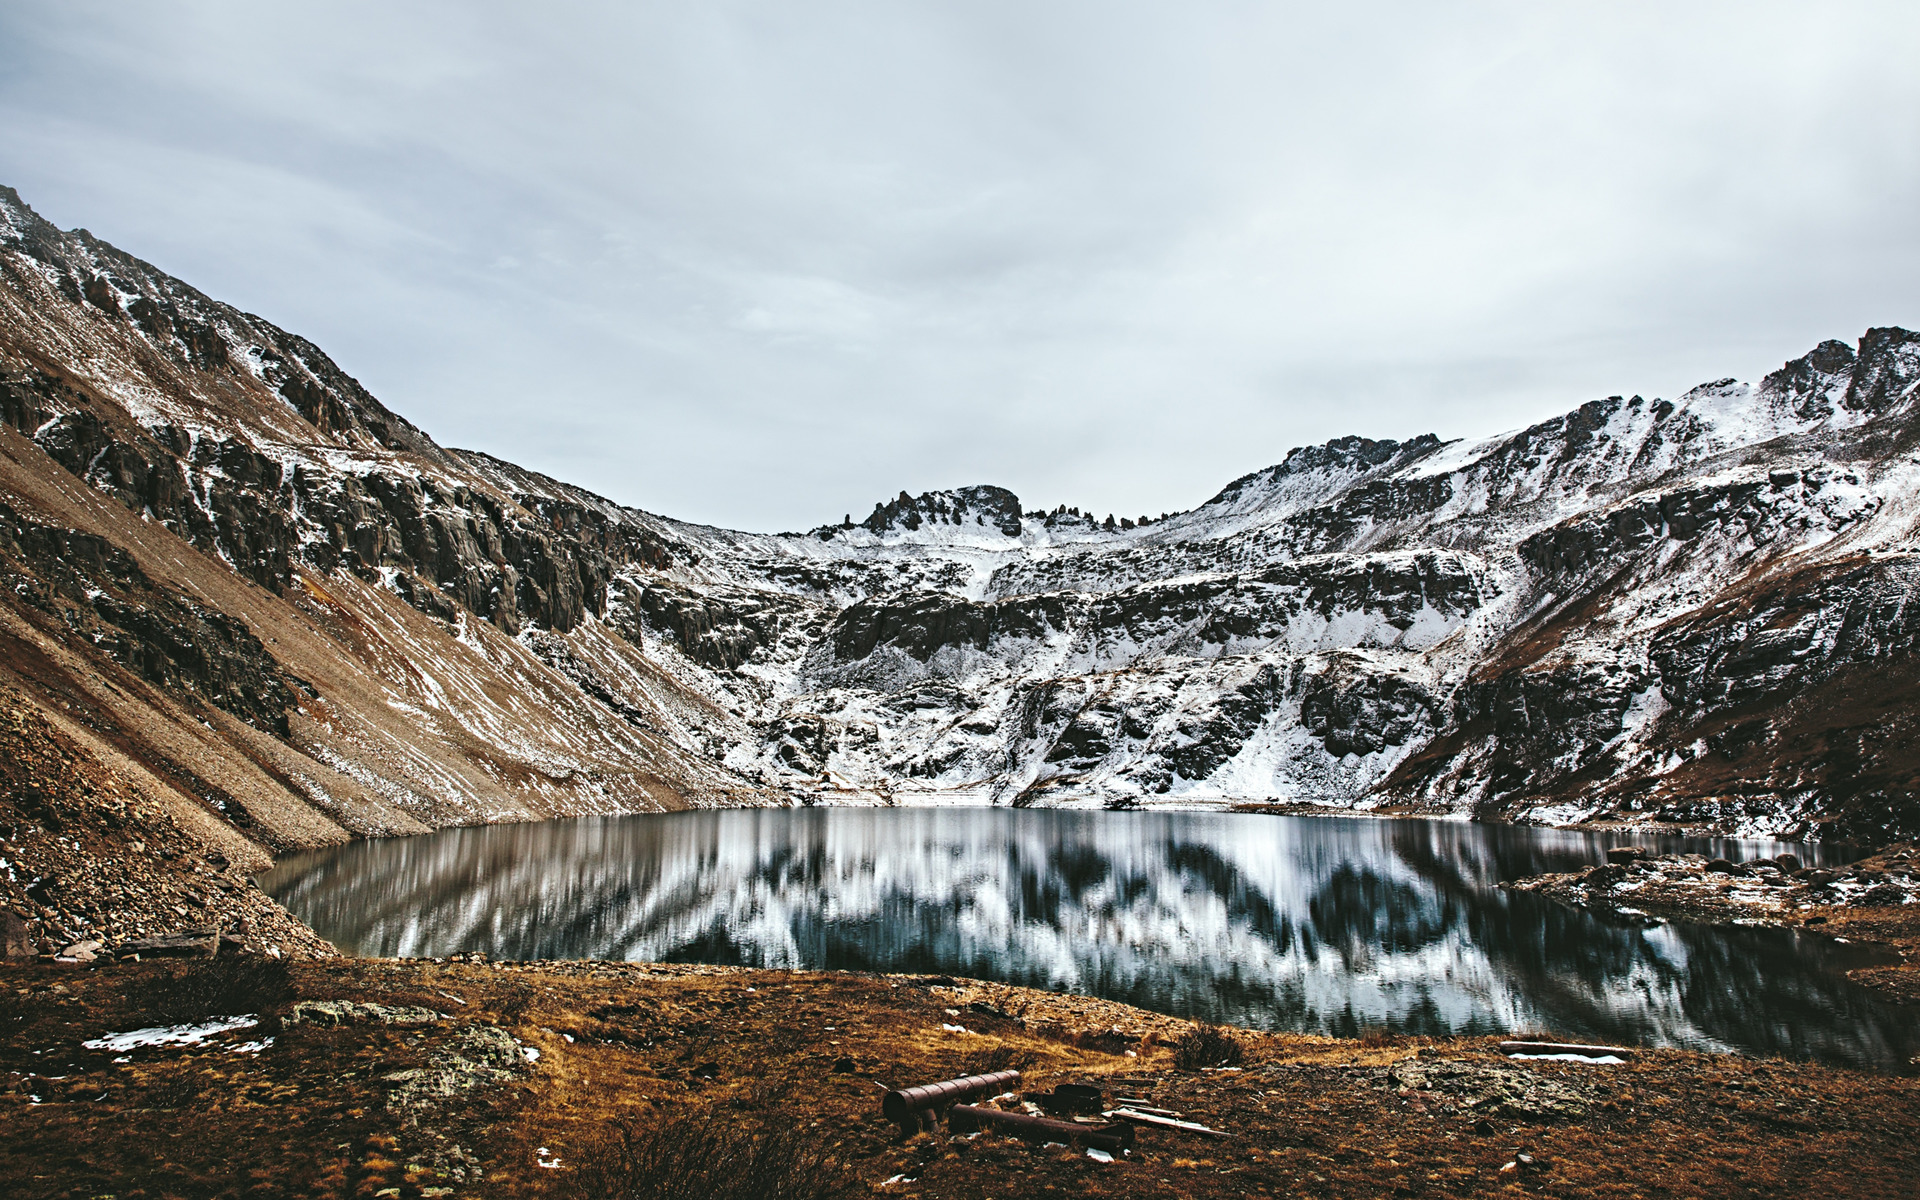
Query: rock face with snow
x=292, y=612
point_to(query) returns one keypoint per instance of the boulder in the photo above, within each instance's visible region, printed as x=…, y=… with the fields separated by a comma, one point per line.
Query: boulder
x=80, y=952
x=347, y=1012
x=1884, y=895
x=16, y=937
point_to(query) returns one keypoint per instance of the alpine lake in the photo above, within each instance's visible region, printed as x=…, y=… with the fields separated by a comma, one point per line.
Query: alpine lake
x=1308, y=924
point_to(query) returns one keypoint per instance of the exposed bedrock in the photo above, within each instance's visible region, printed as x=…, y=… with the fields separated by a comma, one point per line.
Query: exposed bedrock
x=1785, y=634
x=1356, y=704
x=718, y=627
x=1409, y=600
x=85, y=588
x=1168, y=725
x=1760, y=506
x=439, y=544
x=1522, y=734
x=983, y=507
x=1787, y=702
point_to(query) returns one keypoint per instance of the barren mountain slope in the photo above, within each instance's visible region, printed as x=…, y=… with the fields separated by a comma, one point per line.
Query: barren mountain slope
x=282, y=607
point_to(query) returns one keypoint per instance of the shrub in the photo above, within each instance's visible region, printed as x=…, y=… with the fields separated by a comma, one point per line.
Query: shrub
x=1207, y=1046
x=229, y=986
x=14, y=1011
x=702, y=1156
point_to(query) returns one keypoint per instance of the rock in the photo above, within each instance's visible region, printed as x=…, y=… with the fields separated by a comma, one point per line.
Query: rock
x=1788, y=863
x=348, y=1012
x=476, y=1056
x=1721, y=866
x=16, y=936
x=166, y=946
x=1815, y=877
x=1621, y=856
x=844, y=1066
x=1494, y=1090
x=84, y=952
x=1885, y=895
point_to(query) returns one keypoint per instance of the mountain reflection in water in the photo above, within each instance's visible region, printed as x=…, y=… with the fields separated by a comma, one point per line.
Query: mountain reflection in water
x=1309, y=924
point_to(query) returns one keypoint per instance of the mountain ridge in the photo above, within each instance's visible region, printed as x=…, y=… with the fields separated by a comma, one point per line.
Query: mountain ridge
x=282, y=615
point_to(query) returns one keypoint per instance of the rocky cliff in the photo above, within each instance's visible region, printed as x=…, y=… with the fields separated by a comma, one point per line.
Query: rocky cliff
x=260, y=603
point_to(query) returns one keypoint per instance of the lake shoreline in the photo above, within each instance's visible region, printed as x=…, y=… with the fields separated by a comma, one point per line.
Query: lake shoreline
x=1310, y=925
x=1875, y=899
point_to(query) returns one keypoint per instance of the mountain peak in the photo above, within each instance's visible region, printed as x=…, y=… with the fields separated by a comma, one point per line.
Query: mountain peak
x=982, y=505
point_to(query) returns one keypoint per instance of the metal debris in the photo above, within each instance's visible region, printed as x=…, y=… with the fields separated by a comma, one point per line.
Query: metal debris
x=903, y=1106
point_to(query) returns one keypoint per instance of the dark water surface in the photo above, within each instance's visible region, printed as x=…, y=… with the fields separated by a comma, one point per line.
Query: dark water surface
x=1298, y=923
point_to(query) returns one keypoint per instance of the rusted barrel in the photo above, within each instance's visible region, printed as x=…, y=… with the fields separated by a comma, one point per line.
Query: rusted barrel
x=899, y=1105
x=964, y=1118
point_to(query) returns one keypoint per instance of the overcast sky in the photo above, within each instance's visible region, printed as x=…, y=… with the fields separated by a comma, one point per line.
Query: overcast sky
x=763, y=264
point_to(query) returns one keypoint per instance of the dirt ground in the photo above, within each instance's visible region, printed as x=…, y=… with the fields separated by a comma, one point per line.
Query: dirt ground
x=400, y=1100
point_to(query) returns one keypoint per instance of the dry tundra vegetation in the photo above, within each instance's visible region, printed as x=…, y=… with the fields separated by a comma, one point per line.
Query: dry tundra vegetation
x=368, y=1078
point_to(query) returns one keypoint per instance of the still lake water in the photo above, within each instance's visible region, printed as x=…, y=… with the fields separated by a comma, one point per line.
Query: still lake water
x=1298, y=923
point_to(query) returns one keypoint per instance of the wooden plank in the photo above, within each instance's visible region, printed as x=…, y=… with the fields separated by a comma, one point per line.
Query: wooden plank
x=1565, y=1048
x=1134, y=1116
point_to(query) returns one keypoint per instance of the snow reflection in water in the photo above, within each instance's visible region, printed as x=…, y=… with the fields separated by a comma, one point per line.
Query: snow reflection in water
x=1308, y=924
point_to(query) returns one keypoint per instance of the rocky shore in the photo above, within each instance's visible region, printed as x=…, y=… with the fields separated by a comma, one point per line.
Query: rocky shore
x=91, y=864
x=1874, y=899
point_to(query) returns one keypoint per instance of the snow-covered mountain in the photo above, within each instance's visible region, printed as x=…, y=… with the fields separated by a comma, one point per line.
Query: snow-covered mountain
x=289, y=610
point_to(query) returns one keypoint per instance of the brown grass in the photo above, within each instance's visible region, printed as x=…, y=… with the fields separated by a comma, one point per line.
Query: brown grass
x=1208, y=1046
x=229, y=986
x=705, y=1156
x=660, y=1054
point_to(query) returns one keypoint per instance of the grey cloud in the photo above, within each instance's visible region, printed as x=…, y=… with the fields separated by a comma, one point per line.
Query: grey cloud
x=762, y=264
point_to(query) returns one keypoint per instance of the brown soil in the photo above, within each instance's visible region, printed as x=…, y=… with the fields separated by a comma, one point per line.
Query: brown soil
x=352, y=1110
x=1876, y=899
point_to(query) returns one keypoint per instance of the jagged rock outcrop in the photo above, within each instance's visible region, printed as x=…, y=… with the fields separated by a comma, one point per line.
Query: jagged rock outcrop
x=988, y=507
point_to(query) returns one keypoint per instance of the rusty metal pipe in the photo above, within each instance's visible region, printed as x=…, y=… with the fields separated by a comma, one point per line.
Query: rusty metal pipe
x=963, y=1118
x=899, y=1105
